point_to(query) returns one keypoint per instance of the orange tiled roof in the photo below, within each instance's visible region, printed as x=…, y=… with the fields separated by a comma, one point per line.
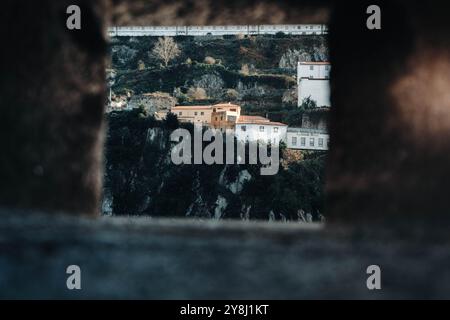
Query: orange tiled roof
x=252, y=119
x=258, y=120
x=192, y=107
x=270, y=123
x=227, y=105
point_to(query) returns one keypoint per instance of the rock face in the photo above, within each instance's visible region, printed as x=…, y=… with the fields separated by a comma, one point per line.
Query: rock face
x=237, y=185
x=291, y=57
x=141, y=179
x=153, y=102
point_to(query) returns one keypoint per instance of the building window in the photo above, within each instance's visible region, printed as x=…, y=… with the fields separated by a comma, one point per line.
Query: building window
x=294, y=141
x=311, y=142
x=244, y=128
x=327, y=68
x=261, y=129
x=216, y=119
x=202, y=113
x=234, y=110
x=311, y=67
x=320, y=142
x=180, y=113
x=275, y=129
x=302, y=141
x=195, y=113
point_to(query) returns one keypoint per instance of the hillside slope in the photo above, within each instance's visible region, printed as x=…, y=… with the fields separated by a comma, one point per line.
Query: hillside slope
x=258, y=72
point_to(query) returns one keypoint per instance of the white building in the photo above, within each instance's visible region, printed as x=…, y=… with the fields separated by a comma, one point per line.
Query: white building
x=157, y=31
x=254, y=128
x=307, y=139
x=313, y=80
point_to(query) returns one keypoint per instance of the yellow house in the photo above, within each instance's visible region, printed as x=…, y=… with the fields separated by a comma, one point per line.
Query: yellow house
x=225, y=115
x=193, y=114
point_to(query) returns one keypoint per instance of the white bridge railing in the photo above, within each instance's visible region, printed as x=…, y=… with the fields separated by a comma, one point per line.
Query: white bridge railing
x=297, y=29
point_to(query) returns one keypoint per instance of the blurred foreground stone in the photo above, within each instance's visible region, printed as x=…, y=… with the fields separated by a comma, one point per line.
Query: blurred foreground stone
x=183, y=259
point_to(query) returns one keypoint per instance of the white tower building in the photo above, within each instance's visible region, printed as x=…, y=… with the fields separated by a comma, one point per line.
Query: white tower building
x=313, y=80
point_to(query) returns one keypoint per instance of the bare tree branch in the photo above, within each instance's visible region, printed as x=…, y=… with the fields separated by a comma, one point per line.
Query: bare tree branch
x=166, y=49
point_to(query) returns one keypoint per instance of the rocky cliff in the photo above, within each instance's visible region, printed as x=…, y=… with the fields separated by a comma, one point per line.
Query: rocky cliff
x=140, y=179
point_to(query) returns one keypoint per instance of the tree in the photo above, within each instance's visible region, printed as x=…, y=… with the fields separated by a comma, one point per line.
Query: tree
x=166, y=49
x=196, y=93
x=308, y=104
x=141, y=65
x=290, y=96
x=294, y=117
x=171, y=121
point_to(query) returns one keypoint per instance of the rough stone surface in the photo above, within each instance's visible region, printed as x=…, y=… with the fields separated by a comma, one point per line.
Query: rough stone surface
x=210, y=12
x=390, y=117
x=52, y=92
x=186, y=259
